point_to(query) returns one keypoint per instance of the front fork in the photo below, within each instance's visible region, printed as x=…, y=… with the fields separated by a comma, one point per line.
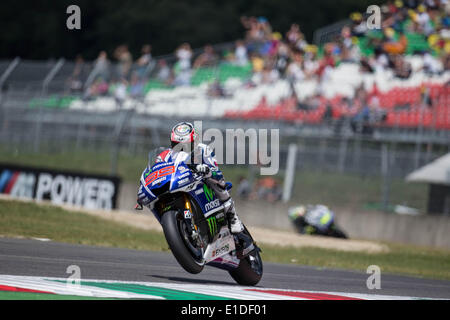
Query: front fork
x=191, y=226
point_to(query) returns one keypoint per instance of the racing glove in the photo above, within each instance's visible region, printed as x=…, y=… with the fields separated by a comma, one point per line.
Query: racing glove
x=203, y=169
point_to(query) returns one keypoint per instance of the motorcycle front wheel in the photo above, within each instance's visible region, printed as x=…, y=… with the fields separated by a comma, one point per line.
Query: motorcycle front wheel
x=183, y=247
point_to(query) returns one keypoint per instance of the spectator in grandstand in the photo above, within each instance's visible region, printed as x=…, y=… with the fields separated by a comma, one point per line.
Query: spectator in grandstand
x=273, y=44
x=183, y=66
x=215, y=89
x=164, y=72
x=424, y=20
x=425, y=98
x=123, y=55
x=402, y=68
x=252, y=32
x=309, y=103
x=310, y=61
x=207, y=59
x=380, y=62
x=136, y=87
x=282, y=58
x=360, y=123
x=294, y=35
x=144, y=60
x=391, y=45
x=101, y=66
x=366, y=65
x=295, y=70
x=269, y=74
x=98, y=88
x=446, y=62
x=75, y=81
x=327, y=62
x=240, y=54
x=184, y=56
x=359, y=26
x=258, y=33
x=431, y=65
x=120, y=92
x=257, y=66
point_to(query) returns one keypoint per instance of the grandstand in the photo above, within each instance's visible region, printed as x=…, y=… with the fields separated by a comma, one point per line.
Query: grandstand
x=332, y=75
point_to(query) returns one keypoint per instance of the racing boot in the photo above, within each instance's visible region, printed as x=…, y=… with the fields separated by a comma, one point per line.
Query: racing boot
x=244, y=243
x=236, y=225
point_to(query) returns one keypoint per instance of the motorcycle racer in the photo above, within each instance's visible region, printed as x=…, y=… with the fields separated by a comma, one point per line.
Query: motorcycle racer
x=184, y=147
x=315, y=220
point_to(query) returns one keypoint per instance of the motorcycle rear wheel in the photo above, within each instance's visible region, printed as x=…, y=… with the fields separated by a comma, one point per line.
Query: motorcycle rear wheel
x=250, y=269
x=183, y=249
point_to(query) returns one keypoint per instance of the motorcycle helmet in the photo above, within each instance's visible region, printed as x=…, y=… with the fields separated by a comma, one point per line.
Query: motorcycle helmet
x=296, y=212
x=183, y=135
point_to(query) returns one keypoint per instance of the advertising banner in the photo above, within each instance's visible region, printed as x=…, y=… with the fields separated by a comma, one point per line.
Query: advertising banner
x=60, y=187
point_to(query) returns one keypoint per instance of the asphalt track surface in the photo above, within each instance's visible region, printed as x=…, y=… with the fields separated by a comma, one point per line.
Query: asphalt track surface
x=51, y=259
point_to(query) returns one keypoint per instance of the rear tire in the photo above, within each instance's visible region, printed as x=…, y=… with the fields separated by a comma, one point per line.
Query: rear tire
x=338, y=233
x=250, y=270
x=173, y=233
x=245, y=275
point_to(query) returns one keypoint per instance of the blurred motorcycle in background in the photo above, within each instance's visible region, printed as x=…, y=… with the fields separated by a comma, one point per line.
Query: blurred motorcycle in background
x=315, y=220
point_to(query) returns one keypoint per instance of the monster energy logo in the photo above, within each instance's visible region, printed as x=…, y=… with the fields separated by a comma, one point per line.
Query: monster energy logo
x=212, y=224
x=209, y=193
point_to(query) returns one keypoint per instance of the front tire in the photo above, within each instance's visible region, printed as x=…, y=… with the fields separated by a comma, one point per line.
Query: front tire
x=177, y=240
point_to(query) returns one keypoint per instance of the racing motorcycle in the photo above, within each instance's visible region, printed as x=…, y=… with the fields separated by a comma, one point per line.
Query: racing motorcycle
x=194, y=222
x=315, y=220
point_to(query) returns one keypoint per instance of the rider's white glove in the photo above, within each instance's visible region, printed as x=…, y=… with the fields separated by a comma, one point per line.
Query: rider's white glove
x=202, y=168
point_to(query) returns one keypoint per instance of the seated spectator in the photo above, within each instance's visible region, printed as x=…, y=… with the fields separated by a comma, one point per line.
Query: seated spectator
x=120, y=93
x=295, y=69
x=327, y=61
x=101, y=66
x=359, y=26
x=98, y=88
x=392, y=46
x=269, y=74
x=184, y=55
x=144, y=60
x=136, y=86
x=123, y=55
x=381, y=61
x=240, y=54
x=215, y=89
x=75, y=82
x=402, y=69
x=293, y=35
x=431, y=65
x=360, y=123
x=164, y=72
x=183, y=66
x=207, y=58
x=282, y=58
